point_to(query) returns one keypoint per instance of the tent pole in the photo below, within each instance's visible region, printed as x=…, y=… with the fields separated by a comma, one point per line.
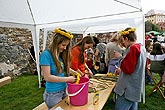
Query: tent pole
x=144, y=44
x=45, y=38
x=35, y=36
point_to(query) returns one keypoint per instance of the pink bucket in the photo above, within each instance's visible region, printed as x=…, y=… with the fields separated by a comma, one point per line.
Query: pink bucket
x=78, y=93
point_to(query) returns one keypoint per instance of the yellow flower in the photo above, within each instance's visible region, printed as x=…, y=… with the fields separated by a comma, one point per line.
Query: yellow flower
x=66, y=34
x=127, y=32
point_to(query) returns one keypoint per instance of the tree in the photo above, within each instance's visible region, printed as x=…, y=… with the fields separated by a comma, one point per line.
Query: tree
x=149, y=26
x=156, y=27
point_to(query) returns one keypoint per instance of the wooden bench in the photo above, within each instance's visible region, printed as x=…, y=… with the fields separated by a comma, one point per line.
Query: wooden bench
x=5, y=80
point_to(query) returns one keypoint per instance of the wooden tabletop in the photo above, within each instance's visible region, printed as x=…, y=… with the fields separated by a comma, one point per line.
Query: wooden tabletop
x=103, y=97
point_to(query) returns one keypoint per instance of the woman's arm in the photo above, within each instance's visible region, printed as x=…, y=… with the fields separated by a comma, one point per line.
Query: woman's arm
x=89, y=72
x=51, y=78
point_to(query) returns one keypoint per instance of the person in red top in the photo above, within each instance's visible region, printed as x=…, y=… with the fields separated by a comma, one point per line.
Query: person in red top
x=78, y=62
x=129, y=86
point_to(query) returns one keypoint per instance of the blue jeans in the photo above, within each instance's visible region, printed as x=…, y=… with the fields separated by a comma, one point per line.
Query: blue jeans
x=52, y=98
x=124, y=104
x=147, y=77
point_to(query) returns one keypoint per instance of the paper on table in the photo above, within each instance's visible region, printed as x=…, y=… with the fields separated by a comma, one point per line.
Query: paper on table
x=58, y=108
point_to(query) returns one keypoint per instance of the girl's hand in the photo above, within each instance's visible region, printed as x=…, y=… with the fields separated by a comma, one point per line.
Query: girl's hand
x=117, y=71
x=88, y=74
x=71, y=79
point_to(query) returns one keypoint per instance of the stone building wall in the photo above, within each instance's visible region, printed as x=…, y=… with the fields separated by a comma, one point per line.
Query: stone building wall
x=15, y=44
x=14, y=56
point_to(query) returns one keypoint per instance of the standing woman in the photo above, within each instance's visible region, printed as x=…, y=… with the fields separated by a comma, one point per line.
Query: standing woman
x=55, y=67
x=112, y=46
x=79, y=59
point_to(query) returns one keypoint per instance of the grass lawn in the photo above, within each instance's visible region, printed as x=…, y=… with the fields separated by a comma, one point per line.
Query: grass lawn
x=23, y=94
x=154, y=102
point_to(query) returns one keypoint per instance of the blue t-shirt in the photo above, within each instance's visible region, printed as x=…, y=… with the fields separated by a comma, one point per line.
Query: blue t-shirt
x=46, y=59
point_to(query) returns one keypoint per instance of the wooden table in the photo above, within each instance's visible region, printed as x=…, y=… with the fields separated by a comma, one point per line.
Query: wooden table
x=103, y=97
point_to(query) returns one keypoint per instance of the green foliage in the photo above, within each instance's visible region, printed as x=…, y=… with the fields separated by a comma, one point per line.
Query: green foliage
x=149, y=26
x=155, y=27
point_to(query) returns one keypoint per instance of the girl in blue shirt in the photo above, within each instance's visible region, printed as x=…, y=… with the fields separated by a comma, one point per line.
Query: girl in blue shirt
x=55, y=67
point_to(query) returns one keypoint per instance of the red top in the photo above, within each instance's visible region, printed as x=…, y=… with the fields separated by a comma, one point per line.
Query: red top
x=90, y=63
x=129, y=62
x=75, y=63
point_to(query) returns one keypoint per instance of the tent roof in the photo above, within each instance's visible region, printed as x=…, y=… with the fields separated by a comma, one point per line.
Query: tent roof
x=43, y=12
x=77, y=16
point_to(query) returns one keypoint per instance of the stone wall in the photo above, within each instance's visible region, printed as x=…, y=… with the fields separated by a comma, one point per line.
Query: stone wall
x=14, y=56
x=15, y=44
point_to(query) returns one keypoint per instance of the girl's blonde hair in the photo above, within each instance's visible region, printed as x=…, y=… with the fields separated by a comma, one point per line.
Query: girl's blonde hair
x=117, y=38
x=65, y=55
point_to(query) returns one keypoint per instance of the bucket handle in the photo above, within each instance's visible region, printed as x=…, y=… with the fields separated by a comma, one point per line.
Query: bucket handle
x=73, y=94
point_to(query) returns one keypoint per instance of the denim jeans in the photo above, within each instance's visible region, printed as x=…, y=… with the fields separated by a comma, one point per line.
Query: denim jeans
x=148, y=78
x=53, y=98
x=124, y=104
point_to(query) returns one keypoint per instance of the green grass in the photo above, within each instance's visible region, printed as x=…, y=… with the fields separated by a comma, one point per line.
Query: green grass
x=153, y=102
x=23, y=94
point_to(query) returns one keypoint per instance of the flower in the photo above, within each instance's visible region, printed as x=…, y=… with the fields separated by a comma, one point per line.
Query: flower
x=66, y=34
x=128, y=31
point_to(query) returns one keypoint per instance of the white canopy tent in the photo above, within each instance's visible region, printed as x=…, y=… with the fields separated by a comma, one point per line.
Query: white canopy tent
x=77, y=16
